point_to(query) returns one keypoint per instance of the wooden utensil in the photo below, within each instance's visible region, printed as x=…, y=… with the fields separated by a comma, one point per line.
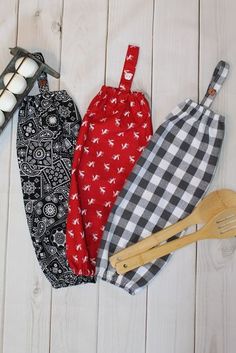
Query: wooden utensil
x=221, y=226
x=213, y=203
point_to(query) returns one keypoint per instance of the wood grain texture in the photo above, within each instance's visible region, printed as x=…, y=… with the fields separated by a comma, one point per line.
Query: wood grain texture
x=28, y=294
x=216, y=271
x=121, y=327
x=84, y=49
x=74, y=310
x=87, y=40
x=171, y=296
x=8, y=34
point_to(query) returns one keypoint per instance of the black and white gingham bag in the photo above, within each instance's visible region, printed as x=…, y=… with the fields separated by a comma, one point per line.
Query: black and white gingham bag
x=170, y=177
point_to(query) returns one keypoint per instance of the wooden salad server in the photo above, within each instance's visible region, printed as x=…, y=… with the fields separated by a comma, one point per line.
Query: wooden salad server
x=213, y=203
x=220, y=226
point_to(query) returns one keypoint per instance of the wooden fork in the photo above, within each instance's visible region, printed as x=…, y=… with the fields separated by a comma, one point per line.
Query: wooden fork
x=213, y=203
x=221, y=226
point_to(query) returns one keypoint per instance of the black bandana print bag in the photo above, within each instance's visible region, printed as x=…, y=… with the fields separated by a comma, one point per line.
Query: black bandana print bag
x=46, y=136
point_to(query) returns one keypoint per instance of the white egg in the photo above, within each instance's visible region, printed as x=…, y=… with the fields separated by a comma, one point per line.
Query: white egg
x=2, y=118
x=27, y=68
x=7, y=101
x=17, y=85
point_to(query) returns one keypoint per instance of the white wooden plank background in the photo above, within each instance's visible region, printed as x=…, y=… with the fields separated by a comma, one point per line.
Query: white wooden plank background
x=190, y=305
x=171, y=298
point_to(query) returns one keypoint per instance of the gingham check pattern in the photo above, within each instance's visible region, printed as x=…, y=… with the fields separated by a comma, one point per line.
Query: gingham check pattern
x=170, y=177
x=219, y=75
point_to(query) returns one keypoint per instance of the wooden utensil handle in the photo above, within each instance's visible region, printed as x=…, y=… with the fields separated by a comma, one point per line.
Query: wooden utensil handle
x=151, y=241
x=153, y=254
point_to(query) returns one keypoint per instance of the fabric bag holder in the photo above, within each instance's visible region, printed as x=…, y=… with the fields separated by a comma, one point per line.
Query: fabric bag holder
x=47, y=129
x=115, y=129
x=171, y=176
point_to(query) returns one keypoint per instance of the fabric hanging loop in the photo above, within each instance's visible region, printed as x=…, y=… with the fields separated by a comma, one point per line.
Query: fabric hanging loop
x=219, y=75
x=129, y=68
x=43, y=78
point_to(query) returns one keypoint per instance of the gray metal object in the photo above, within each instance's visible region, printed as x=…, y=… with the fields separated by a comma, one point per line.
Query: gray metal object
x=20, y=52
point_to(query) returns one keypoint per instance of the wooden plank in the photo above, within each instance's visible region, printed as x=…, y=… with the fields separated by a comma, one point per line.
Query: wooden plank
x=40, y=25
x=122, y=318
x=83, y=49
x=8, y=32
x=171, y=296
x=74, y=310
x=28, y=293
x=216, y=285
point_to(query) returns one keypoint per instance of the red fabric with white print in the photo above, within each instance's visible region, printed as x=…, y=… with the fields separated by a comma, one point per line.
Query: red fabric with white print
x=114, y=131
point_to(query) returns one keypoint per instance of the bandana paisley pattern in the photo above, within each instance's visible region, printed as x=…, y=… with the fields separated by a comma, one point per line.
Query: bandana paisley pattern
x=47, y=129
